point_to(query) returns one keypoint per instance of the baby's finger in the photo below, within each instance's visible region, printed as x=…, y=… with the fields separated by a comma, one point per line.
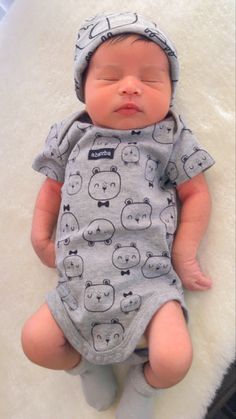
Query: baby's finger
x=203, y=285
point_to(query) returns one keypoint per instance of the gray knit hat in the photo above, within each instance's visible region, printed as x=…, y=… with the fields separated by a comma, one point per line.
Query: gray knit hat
x=99, y=28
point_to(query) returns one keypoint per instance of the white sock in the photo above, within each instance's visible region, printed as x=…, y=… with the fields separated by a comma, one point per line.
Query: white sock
x=137, y=398
x=98, y=382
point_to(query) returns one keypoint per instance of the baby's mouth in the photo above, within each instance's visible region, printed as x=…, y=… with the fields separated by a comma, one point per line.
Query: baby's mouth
x=128, y=109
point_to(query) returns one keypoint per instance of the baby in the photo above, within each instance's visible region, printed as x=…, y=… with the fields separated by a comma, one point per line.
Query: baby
x=114, y=174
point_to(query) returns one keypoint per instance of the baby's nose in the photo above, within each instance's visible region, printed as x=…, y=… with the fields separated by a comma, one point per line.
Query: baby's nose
x=129, y=86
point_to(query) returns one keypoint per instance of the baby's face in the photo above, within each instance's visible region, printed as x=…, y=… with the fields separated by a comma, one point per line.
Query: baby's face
x=128, y=84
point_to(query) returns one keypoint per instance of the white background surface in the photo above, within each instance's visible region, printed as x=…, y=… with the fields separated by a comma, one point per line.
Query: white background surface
x=36, y=89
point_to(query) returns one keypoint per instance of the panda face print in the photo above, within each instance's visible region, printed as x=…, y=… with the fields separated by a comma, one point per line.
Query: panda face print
x=99, y=297
x=107, y=336
x=171, y=171
x=163, y=132
x=103, y=147
x=151, y=170
x=73, y=265
x=74, y=183
x=156, y=266
x=136, y=215
x=168, y=217
x=68, y=224
x=130, y=154
x=99, y=230
x=197, y=162
x=130, y=302
x=125, y=257
x=104, y=185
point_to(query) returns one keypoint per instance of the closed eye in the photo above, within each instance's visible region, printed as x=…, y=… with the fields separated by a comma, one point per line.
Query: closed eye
x=151, y=81
x=108, y=79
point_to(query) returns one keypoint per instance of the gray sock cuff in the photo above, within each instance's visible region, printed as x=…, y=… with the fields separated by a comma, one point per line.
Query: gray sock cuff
x=81, y=368
x=137, y=378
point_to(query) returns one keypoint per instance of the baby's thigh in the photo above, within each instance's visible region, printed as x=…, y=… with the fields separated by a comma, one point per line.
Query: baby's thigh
x=41, y=332
x=168, y=338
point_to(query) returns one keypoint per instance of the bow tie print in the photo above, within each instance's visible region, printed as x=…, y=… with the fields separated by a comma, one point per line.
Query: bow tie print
x=125, y=272
x=103, y=204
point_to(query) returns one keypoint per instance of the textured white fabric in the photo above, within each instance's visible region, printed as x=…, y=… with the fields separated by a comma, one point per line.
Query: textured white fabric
x=36, y=88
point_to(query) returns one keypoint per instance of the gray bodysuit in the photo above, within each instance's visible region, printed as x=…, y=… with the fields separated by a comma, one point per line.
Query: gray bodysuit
x=115, y=228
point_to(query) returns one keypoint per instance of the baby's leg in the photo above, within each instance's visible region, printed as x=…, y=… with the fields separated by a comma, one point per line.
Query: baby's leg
x=44, y=343
x=170, y=347
x=170, y=356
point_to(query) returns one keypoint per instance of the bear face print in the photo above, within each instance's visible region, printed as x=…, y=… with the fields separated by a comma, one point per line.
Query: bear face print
x=125, y=257
x=99, y=230
x=130, y=302
x=130, y=154
x=103, y=147
x=63, y=243
x=171, y=172
x=156, y=266
x=136, y=215
x=107, y=336
x=104, y=185
x=73, y=265
x=169, y=217
x=74, y=183
x=68, y=223
x=163, y=132
x=197, y=162
x=99, y=297
x=151, y=170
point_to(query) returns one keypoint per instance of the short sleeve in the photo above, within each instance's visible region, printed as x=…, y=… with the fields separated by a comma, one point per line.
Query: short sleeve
x=59, y=143
x=188, y=158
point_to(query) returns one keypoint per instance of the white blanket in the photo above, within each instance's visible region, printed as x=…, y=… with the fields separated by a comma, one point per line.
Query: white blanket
x=36, y=89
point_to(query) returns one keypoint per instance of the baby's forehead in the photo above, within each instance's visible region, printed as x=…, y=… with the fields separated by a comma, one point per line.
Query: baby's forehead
x=105, y=54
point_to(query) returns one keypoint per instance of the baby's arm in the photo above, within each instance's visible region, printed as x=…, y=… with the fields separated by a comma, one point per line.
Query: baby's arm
x=44, y=221
x=194, y=216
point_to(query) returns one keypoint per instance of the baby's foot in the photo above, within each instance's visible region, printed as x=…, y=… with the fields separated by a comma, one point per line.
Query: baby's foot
x=137, y=398
x=98, y=382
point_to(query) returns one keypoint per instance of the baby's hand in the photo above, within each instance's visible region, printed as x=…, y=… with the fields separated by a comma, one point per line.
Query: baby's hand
x=191, y=275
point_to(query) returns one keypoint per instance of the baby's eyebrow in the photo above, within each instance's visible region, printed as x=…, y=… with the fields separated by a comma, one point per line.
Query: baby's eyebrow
x=107, y=67
x=154, y=68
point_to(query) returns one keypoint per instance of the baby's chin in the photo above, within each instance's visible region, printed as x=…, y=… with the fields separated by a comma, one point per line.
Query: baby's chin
x=127, y=124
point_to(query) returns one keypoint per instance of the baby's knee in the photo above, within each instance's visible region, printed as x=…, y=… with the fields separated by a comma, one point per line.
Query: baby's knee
x=30, y=339
x=172, y=365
